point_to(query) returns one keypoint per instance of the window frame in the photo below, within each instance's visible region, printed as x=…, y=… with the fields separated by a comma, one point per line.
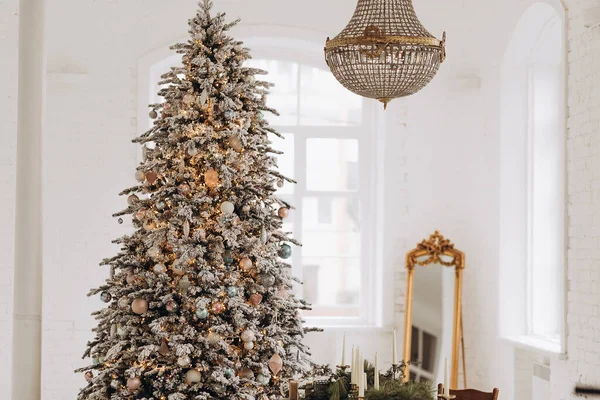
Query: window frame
x=524, y=56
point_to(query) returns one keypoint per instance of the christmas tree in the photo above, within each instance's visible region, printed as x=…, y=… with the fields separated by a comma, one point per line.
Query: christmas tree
x=199, y=297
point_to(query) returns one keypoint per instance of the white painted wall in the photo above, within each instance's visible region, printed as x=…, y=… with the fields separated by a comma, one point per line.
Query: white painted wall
x=9, y=27
x=441, y=157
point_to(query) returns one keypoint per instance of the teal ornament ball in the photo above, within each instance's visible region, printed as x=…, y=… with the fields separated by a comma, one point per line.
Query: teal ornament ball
x=228, y=114
x=285, y=251
x=228, y=373
x=160, y=205
x=231, y=291
x=202, y=313
x=263, y=379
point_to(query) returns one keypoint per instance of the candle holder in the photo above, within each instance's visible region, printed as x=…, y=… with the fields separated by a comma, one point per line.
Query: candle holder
x=353, y=394
x=395, y=369
x=342, y=368
x=446, y=396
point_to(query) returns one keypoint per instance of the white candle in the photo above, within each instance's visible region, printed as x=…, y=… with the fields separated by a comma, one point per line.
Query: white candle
x=445, y=376
x=394, y=351
x=353, y=367
x=343, y=351
x=363, y=384
x=360, y=379
x=376, y=383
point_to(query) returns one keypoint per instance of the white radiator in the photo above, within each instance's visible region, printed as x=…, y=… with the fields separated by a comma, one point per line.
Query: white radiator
x=540, y=382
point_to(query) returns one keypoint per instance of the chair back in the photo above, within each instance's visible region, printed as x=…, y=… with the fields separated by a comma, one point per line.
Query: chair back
x=470, y=394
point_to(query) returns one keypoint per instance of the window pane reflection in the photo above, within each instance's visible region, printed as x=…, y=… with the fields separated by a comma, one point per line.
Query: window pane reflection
x=332, y=164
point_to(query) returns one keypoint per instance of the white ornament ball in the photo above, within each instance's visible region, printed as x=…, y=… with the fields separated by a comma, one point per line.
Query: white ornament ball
x=184, y=283
x=192, y=376
x=184, y=361
x=123, y=302
x=227, y=207
x=154, y=252
x=248, y=336
x=133, y=384
x=121, y=332
x=139, y=306
x=160, y=268
x=249, y=345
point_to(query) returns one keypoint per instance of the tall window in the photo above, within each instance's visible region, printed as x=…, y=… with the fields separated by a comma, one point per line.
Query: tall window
x=327, y=148
x=533, y=192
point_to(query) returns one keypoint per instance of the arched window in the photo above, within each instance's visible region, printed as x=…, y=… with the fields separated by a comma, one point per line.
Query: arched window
x=533, y=186
x=328, y=149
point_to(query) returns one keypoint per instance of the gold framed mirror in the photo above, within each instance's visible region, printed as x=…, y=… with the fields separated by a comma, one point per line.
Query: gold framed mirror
x=436, y=250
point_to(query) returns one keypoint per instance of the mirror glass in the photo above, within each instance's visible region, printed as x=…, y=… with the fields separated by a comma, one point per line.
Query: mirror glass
x=432, y=321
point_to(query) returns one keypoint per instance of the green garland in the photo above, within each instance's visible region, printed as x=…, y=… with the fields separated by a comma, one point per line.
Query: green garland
x=337, y=386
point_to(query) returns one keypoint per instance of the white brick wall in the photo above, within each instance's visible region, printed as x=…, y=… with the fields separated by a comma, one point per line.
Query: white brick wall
x=9, y=23
x=583, y=145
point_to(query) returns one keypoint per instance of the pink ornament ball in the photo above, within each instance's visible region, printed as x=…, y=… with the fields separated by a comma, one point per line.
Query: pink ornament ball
x=256, y=299
x=139, y=306
x=283, y=212
x=89, y=376
x=133, y=384
x=218, y=308
x=246, y=264
x=151, y=177
x=184, y=188
x=130, y=278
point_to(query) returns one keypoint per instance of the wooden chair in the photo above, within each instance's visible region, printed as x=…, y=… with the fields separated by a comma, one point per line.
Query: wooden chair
x=470, y=394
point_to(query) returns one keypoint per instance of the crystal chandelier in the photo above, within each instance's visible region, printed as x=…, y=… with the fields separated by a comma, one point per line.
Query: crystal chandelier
x=384, y=52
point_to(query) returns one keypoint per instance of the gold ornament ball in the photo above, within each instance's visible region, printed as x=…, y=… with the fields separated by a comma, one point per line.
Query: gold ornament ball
x=141, y=214
x=283, y=212
x=149, y=225
x=133, y=384
x=188, y=98
x=139, y=306
x=140, y=176
x=235, y=143
x=213, y=338
x=246, y=264
x=131, y=200
x=211, y=178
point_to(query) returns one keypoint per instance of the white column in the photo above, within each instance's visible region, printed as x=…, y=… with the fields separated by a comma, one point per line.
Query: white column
x=27, y=304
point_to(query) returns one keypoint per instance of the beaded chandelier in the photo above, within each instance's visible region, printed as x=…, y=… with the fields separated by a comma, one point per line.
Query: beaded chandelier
x=384, y=52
